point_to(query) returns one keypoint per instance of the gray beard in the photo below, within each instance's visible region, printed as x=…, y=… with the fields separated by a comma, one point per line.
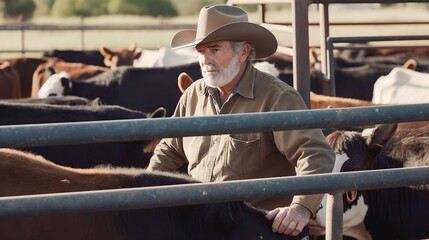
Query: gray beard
x=225, y=75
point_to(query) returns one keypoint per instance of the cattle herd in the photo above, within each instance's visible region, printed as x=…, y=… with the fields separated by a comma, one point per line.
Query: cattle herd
x=131, y=83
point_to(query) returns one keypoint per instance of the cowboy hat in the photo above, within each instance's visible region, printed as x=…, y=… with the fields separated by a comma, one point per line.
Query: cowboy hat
x=224, y=22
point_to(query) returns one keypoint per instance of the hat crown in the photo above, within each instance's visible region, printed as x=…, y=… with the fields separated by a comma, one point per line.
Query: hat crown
x=213, y=17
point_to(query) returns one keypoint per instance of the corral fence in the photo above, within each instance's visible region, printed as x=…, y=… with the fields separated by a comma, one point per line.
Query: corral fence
x=298, y=27
x=24, y=27
x=334, y=184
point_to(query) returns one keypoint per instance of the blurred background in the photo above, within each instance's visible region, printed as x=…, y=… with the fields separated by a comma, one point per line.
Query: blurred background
x=152, y=23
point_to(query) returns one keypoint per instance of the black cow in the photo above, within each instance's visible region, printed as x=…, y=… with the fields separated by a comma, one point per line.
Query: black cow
x=142, y=89
x=91, y=57
x=56, y=100
x=392, y=55
x=353, y=79
x=23, y=174
x=391, y=213
x=130, y=153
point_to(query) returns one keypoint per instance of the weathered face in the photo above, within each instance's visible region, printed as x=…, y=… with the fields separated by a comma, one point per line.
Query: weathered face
x=219, y=64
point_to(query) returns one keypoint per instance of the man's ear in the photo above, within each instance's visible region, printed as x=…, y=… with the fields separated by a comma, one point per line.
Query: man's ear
x=245, y=51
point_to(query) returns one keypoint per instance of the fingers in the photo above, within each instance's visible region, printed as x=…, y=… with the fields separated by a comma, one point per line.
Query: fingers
x=281, y=222
x=271, y=214
x=288, y=221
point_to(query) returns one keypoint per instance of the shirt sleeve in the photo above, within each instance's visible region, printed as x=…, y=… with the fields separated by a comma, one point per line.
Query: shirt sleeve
x=168, y=154
x=306, y=149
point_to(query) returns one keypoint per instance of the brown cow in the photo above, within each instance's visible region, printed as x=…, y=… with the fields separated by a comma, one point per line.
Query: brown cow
x=79, y=71
x=120, y=57
x=25, y=68
x=23, y=174
x=10, y=83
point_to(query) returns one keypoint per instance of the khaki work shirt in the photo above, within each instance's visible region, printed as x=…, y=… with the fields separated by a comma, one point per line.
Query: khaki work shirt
x=247, y=155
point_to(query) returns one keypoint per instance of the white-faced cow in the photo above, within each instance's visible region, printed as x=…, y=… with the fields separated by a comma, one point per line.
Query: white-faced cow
x=75, y=71
x=129, y=153
x=391, y=213
x=23, y=174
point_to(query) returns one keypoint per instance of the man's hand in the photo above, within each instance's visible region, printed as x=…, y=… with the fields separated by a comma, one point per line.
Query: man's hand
x=289, y=220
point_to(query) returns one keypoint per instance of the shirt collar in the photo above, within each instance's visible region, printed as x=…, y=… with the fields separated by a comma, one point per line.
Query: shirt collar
x=247, y=82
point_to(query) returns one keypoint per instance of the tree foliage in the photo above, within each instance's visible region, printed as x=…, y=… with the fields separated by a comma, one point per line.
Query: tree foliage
x=83, y=8
x=15, y=8
x=124, y=7
x=142, y=7
x=192, y=7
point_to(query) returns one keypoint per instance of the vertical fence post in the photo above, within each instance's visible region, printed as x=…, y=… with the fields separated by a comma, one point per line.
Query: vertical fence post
x=22, y=25
x=334, y=216
x=82, y=33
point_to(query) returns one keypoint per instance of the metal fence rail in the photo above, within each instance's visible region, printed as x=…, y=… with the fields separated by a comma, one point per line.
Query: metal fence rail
x=24, y=27
x=131, y=130
x=196, y=193
x=331, y=41
x=122, y=130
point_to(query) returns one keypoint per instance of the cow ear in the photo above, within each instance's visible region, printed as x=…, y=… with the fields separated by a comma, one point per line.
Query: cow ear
x=107, y=53
x=138, y=53
x=51, y=70
x=184, y=81
x=132, y=47
x=380, y=136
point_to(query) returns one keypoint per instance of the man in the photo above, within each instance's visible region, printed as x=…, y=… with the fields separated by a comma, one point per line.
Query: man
x=226, y=43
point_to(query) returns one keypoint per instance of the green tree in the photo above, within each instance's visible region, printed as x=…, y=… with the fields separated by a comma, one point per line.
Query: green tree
x=83, y=8
x=15, y=8
x=193, y=7
x=142, y=7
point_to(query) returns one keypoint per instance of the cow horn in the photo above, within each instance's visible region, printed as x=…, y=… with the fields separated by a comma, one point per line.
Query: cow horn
x=351, y=196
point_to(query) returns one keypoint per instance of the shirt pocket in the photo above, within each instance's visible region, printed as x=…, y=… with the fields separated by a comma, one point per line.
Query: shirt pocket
x=243, y=153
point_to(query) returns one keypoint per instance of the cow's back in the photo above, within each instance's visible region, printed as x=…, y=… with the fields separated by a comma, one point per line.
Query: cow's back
x=142, y=89
x=129, y=153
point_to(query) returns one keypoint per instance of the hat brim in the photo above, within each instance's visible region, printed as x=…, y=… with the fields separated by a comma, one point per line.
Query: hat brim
x=264, y=41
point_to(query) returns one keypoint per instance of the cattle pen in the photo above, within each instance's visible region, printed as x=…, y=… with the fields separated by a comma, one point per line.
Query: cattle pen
x=334, y=184
x=298, y=27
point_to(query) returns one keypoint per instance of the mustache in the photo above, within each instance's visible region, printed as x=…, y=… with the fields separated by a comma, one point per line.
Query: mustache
x=210, y=67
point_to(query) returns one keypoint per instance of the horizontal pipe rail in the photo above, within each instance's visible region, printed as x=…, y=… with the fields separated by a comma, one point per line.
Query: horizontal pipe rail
x=177, y=195
x=237, y=2
x=7, y=27
x=143, y=129
x=362, y=39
